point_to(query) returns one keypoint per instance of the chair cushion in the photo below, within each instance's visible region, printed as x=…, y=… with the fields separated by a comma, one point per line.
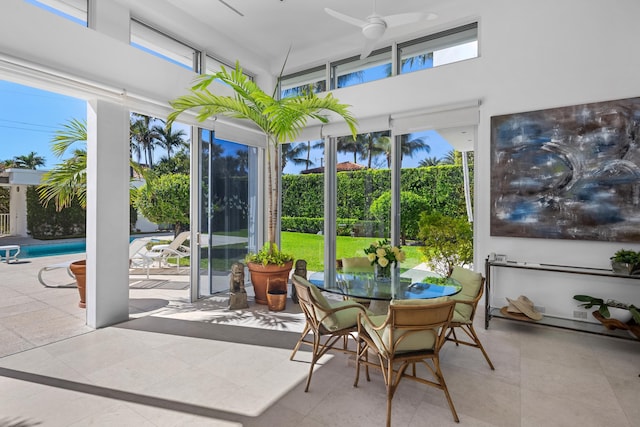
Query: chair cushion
x=471, y=284
x=416, y=341
x=357, y=265
x=419, y=301
x=342, y=319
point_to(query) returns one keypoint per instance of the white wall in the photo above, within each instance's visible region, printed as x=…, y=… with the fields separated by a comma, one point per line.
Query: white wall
x=533, y=55
x=541, y=55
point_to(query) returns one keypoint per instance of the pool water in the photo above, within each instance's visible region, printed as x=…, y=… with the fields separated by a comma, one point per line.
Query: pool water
x=49, y=249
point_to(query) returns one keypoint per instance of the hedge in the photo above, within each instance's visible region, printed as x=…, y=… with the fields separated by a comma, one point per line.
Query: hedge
x=303, y=205
x=47, y=223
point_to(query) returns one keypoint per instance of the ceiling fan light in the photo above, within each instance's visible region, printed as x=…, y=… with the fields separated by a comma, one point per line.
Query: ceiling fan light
x=374, y=30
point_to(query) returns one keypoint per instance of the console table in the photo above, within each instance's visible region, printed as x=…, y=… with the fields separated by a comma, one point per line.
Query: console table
x=595, y=328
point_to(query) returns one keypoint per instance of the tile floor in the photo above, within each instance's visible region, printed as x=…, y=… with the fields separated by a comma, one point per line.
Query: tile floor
x=175, y=363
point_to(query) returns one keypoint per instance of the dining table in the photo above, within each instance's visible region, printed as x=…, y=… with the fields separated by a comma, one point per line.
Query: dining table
x=379, y=292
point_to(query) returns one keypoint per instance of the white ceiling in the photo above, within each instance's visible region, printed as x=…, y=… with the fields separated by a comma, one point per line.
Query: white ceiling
x=270, y=27
x=262, y=37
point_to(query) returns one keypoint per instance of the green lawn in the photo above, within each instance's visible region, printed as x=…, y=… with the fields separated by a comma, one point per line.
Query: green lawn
x=310, y=247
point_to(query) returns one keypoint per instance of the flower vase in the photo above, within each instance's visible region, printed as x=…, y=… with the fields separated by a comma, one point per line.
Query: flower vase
x=383, y=274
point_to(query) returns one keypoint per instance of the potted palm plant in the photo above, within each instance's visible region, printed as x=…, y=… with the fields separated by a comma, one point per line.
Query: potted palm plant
x=281, y=120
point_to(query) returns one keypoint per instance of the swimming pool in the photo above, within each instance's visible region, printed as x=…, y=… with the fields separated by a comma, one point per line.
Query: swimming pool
x=50, y=249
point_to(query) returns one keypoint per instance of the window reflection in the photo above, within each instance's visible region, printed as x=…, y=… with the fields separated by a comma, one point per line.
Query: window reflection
x=439, y=49
x=73, y=10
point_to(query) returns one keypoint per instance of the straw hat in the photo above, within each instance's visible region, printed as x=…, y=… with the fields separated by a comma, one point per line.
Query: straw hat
x=525, y=306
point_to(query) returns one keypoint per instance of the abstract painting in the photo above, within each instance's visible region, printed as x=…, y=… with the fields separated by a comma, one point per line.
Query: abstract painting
x=567, y=173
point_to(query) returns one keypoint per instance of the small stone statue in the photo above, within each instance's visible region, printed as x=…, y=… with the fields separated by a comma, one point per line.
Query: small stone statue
x=300, y=270
x=237, y=292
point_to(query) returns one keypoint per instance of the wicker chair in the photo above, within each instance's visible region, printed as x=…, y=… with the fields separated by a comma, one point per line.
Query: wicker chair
x=410, y=334
x=466, y=307
x=330, y=323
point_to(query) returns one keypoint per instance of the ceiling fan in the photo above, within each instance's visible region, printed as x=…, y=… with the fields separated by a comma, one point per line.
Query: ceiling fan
x=374, y=26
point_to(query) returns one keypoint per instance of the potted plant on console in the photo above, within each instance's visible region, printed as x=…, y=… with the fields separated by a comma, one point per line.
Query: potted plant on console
x=626, y=262
x=281, y=120
x=613, y=314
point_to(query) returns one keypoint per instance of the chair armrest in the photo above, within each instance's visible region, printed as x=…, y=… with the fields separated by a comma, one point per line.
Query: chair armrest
x=328, y=314
x=158, y=248
x=365, y=317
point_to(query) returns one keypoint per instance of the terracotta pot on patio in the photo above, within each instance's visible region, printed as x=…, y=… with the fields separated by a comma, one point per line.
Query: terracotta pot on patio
x=79, y=269
x=274, y=273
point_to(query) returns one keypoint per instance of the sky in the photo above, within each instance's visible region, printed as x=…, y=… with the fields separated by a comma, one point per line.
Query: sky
x=438, y=148
x=29, y=118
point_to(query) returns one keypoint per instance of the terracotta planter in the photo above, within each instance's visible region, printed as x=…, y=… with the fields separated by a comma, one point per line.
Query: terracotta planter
x=278, y=277
x=79, y=269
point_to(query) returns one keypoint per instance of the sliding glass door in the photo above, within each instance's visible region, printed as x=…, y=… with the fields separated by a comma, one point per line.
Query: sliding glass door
x=227, y=206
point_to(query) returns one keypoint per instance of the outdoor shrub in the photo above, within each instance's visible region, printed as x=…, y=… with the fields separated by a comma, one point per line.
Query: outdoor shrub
x=411, y=206
x=165, y=199
x=4, y=200
x=448, y=241
x=302, y=224
x=47, y=223
x=442, y=186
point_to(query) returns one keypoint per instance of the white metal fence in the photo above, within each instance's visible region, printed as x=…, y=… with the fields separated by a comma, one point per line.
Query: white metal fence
x=4, y=224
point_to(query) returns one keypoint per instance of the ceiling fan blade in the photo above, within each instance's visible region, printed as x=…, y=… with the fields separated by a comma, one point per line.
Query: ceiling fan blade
x=403, y=18
x=367, y=49
x=346, y=18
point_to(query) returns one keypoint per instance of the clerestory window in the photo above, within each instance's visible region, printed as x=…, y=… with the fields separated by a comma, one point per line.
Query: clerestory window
x=438, y=49
x=73, y=10
x=148, y=39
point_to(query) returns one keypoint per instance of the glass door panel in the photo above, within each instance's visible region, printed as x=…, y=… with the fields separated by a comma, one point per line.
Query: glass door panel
x=302, y=224
x=227, y=193
x=363, y=205
x=432, y=183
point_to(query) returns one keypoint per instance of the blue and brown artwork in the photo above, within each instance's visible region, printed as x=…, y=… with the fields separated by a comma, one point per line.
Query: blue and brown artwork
x=567, y=173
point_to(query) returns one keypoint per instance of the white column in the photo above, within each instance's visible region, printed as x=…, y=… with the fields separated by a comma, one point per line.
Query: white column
x=107, y=213
x=18, y=210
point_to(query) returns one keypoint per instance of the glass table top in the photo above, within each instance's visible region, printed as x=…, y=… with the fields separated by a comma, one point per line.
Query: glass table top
x=365, y=285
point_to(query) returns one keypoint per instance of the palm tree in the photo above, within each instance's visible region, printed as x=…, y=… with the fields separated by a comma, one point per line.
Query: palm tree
x=281, y=120
x=291, y=152
x=68, y=180
x=319, y=86
x=429, y=161
x=410, y=146
x=29, y=161
x=243, y=161
x=6, y=164
x=169, y=139
x=373, y=144
x=349, y=144
x=450, y=158
x=319, y=144
x=145, y=136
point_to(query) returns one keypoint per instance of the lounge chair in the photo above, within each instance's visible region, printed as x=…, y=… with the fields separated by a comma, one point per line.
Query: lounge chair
x=8, y=256
x=139, y=256
x=66, y=266
x=175, y=249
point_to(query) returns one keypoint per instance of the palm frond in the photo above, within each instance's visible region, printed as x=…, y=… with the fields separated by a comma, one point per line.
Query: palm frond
x=66, y=182
x=73, y=131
